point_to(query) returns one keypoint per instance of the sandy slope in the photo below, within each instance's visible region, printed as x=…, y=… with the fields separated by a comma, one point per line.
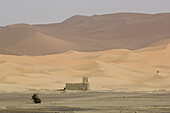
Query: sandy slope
x=134, y=47
x=86, y=34
x=110, y=69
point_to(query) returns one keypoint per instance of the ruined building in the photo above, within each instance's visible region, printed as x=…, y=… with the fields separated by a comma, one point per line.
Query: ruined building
x=84, y=86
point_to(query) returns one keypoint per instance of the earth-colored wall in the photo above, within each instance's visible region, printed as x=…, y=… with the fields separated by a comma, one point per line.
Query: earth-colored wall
x=77, y=86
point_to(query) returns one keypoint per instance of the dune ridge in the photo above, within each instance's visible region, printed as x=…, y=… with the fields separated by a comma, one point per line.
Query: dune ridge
x=117, y=52
x=117, y=69
x=86, y=34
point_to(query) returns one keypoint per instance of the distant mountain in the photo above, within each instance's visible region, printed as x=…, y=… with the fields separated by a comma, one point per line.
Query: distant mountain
x=86, y=33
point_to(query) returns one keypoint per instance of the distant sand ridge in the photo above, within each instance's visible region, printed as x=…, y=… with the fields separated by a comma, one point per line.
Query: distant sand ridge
x=85, y=34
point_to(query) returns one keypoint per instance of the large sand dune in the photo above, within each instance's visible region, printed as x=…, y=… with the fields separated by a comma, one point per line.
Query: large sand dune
x=118, y=69
x=85, y=34
x=120, y=51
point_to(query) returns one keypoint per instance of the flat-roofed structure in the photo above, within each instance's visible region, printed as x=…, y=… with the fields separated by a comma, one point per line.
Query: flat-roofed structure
x=84, y=86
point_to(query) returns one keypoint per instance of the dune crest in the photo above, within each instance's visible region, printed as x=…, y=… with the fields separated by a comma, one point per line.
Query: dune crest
x=86, y=34
x=116, y=51
x=107, y=70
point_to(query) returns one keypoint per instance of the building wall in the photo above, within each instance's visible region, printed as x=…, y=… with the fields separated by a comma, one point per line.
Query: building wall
x=85, y=80
x=77, y=86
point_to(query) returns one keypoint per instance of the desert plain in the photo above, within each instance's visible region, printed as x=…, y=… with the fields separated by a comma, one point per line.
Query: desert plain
x=121, y=81
x=124, y=55
x=87, y=102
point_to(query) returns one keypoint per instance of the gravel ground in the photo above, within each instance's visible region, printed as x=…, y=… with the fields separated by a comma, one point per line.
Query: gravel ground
x=87, y=102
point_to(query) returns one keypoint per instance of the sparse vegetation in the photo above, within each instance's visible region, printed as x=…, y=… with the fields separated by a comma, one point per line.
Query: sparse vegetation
x=35, y=98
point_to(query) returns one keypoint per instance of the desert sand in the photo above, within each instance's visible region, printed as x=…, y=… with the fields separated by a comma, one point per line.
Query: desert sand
x=86, y=34
x=117, y=69
x=126, y=57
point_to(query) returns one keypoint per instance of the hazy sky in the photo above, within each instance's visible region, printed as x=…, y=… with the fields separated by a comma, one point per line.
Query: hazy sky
x=52, y=11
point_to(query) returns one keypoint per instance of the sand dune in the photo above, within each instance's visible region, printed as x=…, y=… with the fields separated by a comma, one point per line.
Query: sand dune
x=86, y=34
x=130, y=70
x=120, y=51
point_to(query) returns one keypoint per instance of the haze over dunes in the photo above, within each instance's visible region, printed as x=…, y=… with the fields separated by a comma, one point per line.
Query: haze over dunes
x=85, y=34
